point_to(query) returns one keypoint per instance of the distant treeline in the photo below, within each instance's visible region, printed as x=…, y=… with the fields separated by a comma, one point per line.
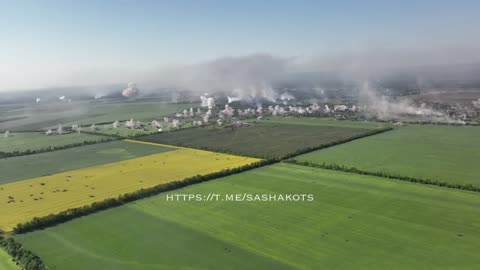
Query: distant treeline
x=17, y=153
x=360, y=118
x=131, y=136
x=342, y=168
x=23, y=257
x=116, y=136
x=64, y=216
x=432, y=123
x=12, y=119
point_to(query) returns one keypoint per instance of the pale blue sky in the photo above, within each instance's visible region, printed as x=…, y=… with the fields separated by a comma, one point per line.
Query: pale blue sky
x=46, y=42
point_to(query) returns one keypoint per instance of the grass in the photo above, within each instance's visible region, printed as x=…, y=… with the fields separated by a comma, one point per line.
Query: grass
x=6, y=262
x=445, y=153
x=31, y=166
x=354, y=222
x=35, y=140
x=46, y=115
x=263, y=139
x=23, y=200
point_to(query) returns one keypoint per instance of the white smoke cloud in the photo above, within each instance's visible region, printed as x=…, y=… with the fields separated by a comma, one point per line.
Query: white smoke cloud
x=131, y=91
x=246, y=77
x=130, y=123
x=232, y=99
x=287, y=96
x=99, y=95
x=384, y=109
x=476, y=103
x=156, y=124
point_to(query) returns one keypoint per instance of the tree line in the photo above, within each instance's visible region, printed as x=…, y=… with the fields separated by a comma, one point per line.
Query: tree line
x=21, y=256
x=343, y=168
x=17, y=153
x=431, y=123
x=64, y=216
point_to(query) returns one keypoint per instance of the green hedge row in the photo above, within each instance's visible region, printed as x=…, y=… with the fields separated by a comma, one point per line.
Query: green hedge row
x=23, y=257
x=53, y=148
x=342, y=168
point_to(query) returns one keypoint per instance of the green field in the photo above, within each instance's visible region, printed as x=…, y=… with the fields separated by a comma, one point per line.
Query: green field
x=263, y=139
x=25, y=167
x=6, y=261
x=354, y=222
x=36, y=140
x=47, y=115
x=445, y=153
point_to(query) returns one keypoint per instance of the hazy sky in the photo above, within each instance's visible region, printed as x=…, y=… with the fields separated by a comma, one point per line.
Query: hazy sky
x=49, y=43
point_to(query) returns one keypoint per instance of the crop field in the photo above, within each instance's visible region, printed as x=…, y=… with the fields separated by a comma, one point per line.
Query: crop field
x=449, y=154
x=32, y=166
x=375, y=223
x=6, y=261
x=35, y=140
x=41, y=116
x=22, y=200
x=263, y=139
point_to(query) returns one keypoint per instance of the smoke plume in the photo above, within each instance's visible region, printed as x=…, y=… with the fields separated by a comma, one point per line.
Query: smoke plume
x=246, y=77
x=131, y=91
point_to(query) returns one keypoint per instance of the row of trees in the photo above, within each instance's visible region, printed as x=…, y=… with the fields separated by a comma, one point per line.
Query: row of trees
x=384, y=175
x=130, y=136
x=23, y=257
x=53, y=219
x=53, y=148
x=432, y=123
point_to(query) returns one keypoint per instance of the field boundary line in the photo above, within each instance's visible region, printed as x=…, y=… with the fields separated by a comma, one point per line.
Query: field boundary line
x=57, y=148
x=22, y=257
x=159, y=144
x=423, y=181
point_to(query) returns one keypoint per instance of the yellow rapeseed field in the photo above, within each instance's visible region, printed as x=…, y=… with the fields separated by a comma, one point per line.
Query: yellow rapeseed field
x=21, y=201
